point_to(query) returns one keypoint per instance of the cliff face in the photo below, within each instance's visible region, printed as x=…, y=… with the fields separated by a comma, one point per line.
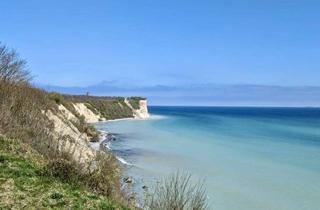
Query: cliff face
x=89, y=116
x=71, y=118
x=96, y=109
x=141, y=112
x=92, y=114
x=69, y=138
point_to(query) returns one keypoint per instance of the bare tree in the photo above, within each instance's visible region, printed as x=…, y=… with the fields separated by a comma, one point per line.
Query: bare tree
x=13, y=69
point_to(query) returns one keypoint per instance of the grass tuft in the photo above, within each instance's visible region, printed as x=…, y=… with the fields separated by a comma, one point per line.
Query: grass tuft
x=177, y=192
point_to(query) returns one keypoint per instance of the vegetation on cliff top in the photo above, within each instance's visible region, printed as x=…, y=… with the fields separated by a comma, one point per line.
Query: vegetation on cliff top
x=109, y=107
x=135, y=102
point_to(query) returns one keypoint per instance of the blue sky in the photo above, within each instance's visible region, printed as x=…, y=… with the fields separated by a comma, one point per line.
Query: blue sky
x=167, y=42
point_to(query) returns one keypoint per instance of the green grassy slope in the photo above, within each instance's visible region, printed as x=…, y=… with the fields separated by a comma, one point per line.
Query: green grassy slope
x=24, y=185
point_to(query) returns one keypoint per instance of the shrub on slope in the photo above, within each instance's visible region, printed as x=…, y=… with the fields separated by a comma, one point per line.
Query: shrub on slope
x=24, y=183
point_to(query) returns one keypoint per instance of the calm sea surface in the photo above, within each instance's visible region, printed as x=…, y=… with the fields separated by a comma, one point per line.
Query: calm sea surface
x=250, y=158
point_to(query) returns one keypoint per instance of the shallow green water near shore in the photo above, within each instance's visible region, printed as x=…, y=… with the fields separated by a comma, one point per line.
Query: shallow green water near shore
x=250, y=158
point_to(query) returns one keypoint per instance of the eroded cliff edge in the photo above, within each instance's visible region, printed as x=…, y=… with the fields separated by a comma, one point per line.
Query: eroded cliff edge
x=74, y=113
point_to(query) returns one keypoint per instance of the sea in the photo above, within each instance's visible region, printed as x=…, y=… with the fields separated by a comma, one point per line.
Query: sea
x=247, y=157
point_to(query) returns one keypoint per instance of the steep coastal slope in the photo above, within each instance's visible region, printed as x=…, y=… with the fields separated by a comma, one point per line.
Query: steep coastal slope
x=56, y=128
x=75, y=112
x=45, y=156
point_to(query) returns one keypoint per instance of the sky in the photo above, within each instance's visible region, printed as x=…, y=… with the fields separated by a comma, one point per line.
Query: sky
x=167, y=43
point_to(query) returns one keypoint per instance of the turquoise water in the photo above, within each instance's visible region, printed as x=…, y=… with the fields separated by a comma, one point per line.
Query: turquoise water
x=251, y=158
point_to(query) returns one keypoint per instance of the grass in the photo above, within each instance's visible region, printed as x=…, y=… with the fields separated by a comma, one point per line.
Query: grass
x=177, y=192
x=24, y=185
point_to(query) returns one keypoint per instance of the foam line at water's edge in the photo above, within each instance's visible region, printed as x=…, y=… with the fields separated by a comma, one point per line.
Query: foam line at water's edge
x=157, y=117
x=107, y=145
x=123, y=161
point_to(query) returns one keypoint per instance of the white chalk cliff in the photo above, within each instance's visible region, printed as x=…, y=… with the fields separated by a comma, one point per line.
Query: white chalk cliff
x=142, y=112
x=88, y=115
x=71, y=139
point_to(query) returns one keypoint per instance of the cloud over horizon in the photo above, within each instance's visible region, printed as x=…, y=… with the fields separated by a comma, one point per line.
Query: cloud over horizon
x=204, y=94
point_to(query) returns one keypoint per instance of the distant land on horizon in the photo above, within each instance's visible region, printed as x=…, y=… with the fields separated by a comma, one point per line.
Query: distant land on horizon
x=204, y=94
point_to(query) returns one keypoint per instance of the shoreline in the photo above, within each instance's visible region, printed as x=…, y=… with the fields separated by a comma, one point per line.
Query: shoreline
x=107, y=138
x=104, y=133
x=151, y=117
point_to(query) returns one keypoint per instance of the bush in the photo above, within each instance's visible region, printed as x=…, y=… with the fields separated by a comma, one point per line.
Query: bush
x=103, y=176
x=21, y=108
x=176, y=192
x=20, y=104
x=56, y=195
x=56, y=97
x=64, y=169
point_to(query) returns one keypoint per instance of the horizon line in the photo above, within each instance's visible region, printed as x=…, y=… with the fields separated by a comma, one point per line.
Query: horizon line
x=236, y=106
